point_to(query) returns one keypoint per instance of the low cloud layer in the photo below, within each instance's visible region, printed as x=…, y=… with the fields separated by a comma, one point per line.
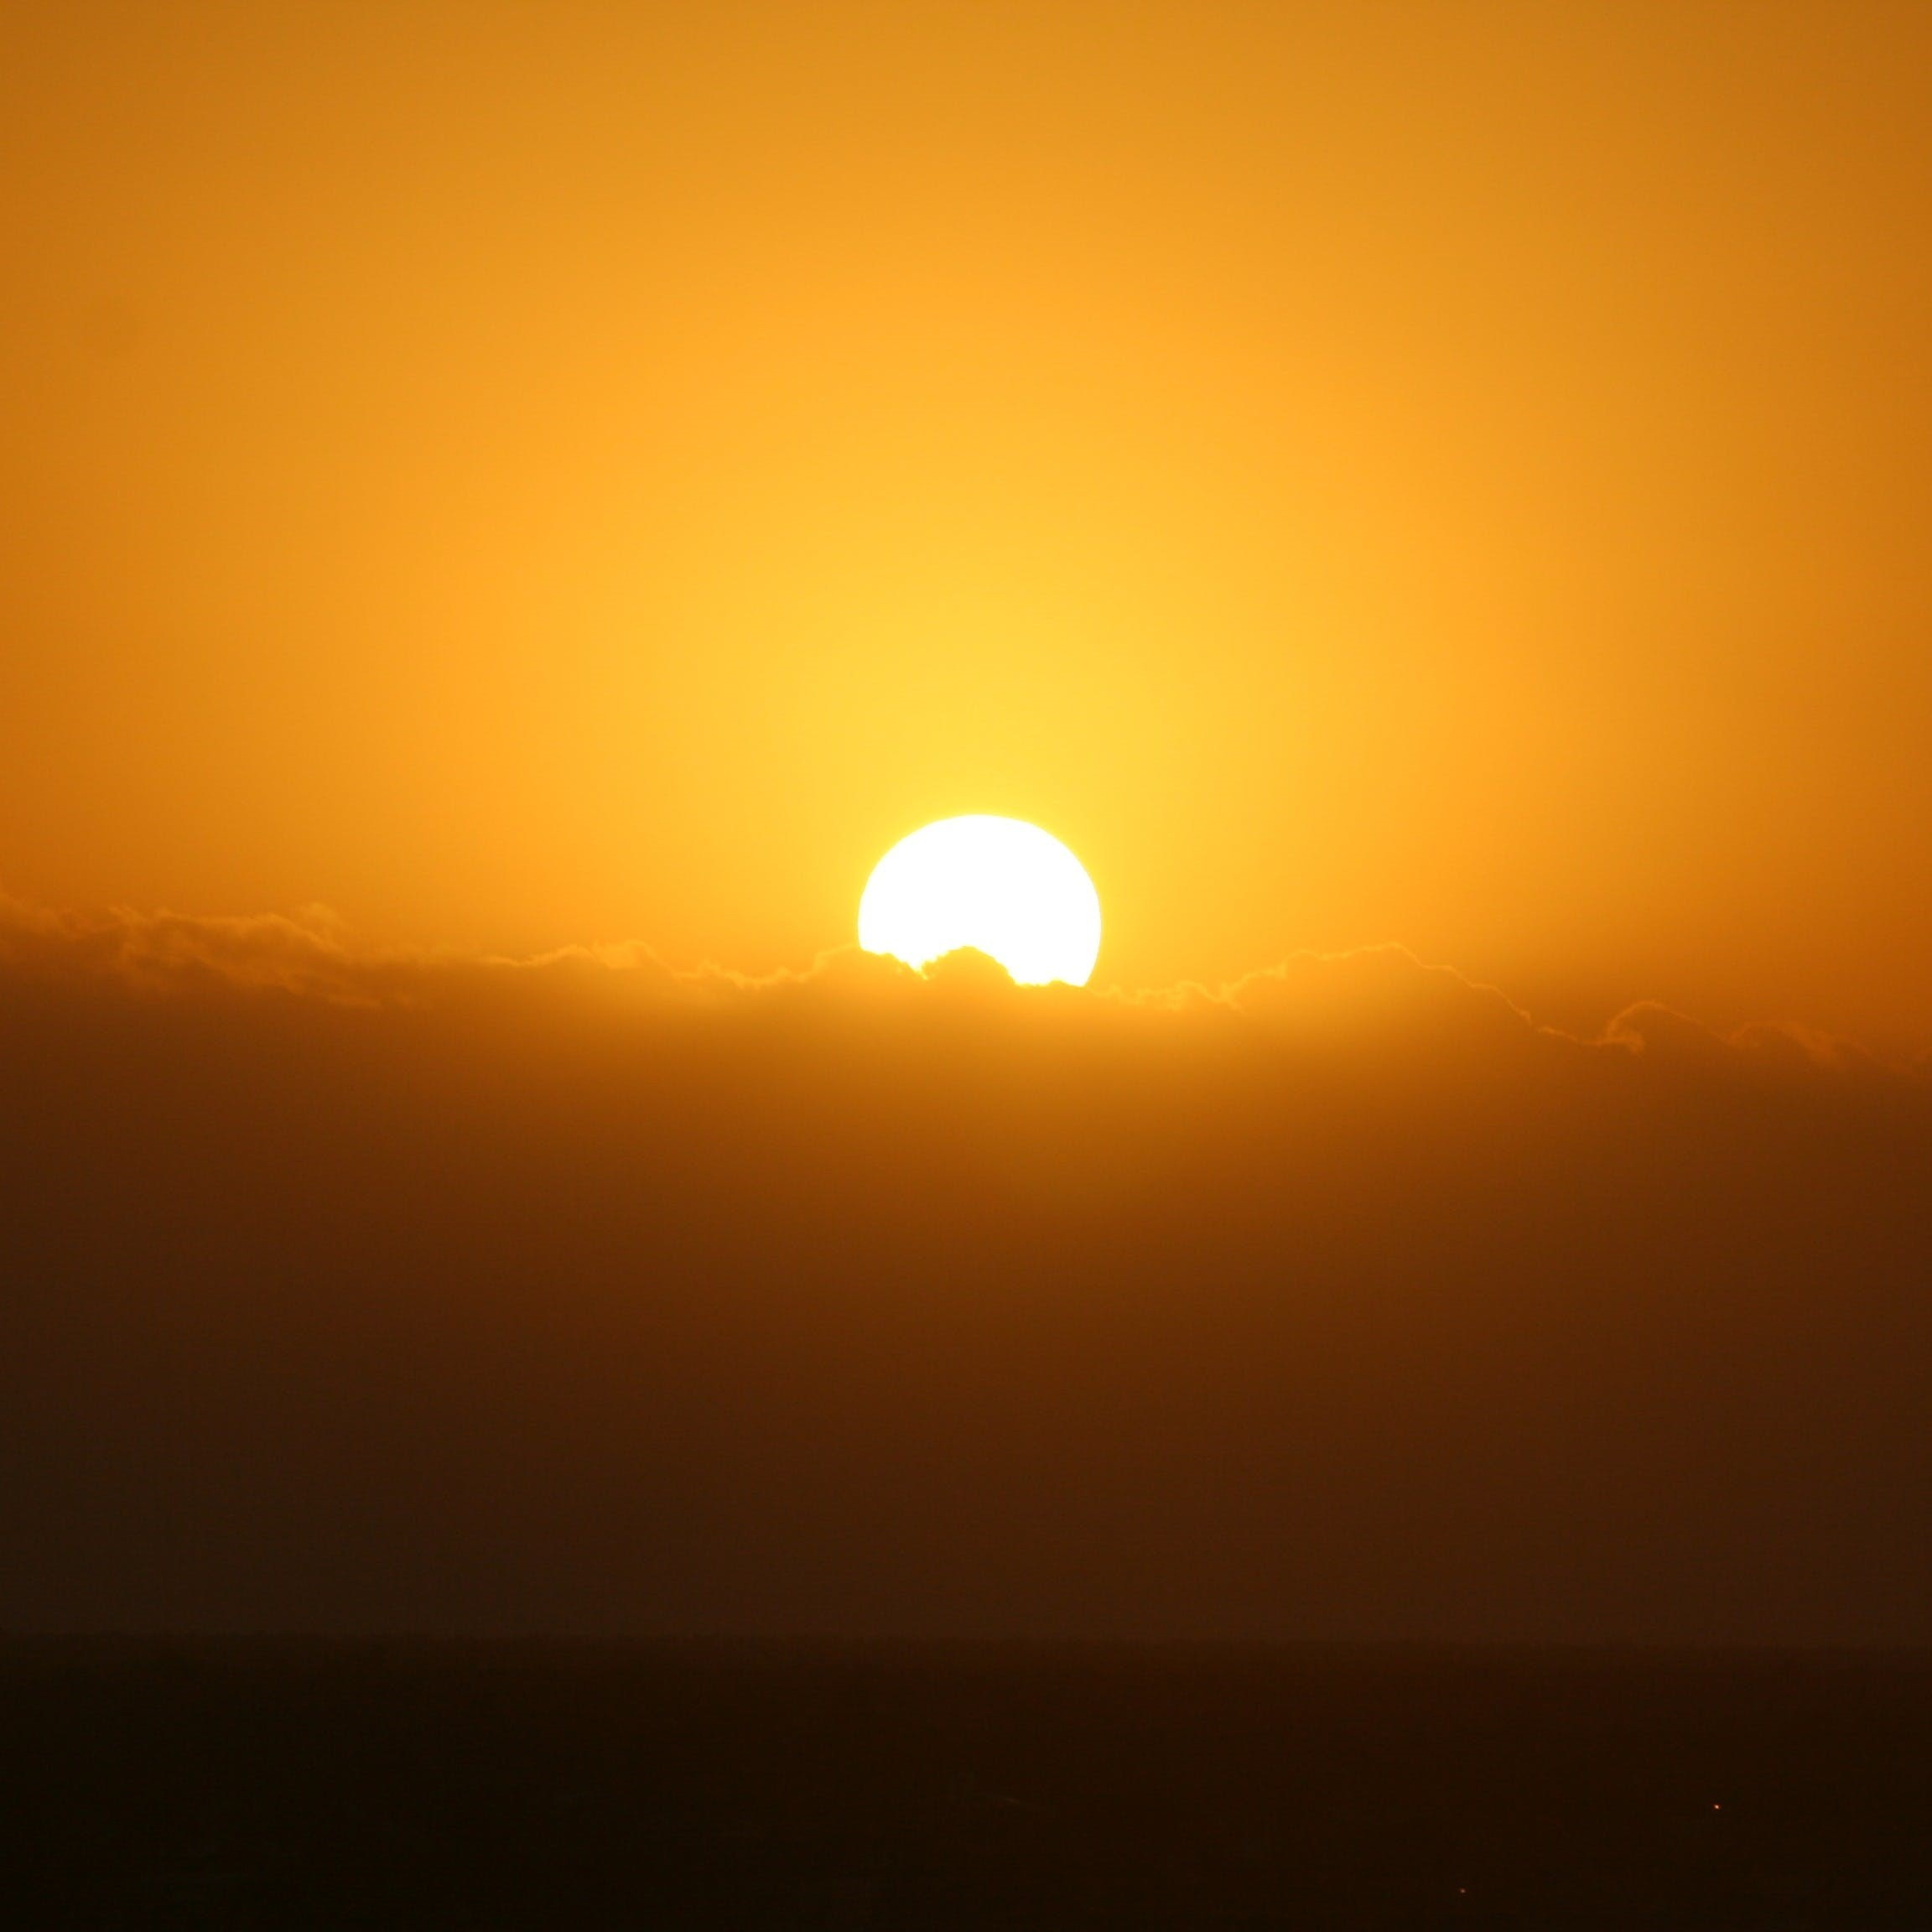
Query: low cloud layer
x=356, y=1290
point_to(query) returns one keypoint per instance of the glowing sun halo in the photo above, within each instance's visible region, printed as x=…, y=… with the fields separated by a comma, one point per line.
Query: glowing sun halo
x=1000, y=884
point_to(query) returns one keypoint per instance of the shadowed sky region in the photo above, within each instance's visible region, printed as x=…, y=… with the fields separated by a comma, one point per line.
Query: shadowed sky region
x=362, y=1291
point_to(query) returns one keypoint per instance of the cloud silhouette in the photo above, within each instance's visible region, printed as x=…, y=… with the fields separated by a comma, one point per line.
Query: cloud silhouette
x=378, y=1289
x=1382, y=997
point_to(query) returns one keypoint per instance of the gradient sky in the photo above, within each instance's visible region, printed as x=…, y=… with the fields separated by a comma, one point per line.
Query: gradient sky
x=1457, y=476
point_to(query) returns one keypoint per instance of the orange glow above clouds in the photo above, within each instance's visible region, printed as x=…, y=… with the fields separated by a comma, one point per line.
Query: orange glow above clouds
x=527, y=476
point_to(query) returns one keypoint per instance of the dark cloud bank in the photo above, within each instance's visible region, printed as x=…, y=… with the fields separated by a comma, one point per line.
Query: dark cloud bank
x=346, y=1292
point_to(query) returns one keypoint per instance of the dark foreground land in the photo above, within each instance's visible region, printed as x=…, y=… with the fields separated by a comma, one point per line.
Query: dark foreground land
x=312, y=1784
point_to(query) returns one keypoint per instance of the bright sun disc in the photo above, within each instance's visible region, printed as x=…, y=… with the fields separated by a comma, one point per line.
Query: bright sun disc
x=1000, y=884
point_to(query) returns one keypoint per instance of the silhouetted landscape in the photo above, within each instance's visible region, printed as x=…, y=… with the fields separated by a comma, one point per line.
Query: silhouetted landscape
x=253, y=1784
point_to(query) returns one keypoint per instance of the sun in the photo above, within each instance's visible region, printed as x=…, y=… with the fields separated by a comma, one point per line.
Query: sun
x=1000, y=884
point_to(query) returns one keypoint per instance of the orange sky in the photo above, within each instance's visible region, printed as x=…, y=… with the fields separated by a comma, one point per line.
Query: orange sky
x=1457, y=476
